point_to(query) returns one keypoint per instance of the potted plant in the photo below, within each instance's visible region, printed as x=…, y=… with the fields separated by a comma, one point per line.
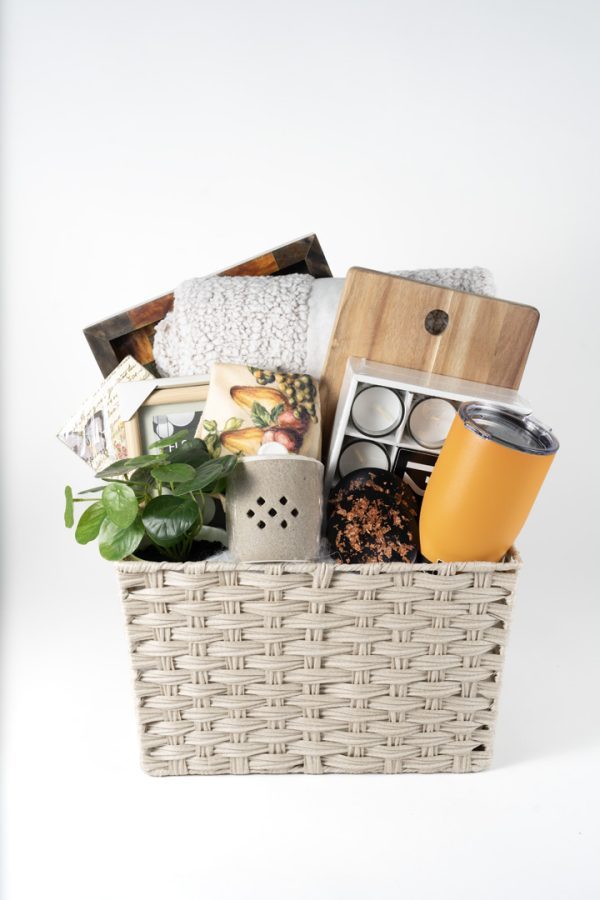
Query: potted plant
x=152, y=506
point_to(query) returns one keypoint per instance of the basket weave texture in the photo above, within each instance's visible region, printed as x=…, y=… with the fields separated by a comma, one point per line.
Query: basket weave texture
x=315, y=668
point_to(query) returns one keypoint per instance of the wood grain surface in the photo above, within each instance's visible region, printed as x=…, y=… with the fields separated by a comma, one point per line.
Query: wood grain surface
x=385, y=318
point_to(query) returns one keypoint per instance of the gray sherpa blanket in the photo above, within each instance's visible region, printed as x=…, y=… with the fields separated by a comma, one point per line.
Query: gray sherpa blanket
x=269, y=322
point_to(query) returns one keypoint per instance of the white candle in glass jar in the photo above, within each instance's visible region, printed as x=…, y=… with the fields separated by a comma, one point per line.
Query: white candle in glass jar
x=377, y=411
x=430, y=420
x=362, y=455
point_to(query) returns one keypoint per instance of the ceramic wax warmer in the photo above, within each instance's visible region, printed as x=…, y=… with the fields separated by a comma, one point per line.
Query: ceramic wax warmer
x=274, y=508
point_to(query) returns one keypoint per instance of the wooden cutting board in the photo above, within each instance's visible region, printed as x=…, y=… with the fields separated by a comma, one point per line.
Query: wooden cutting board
x=388, y=319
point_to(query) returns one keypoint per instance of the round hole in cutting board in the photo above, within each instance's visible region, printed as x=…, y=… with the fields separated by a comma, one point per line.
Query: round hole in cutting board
x=436, y=321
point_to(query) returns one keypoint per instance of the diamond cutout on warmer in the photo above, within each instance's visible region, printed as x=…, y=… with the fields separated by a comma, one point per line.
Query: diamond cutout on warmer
x=283, y=500
x=294, y=512
x=272, y=512
x=284, y=524
x=261, y=501
x=261, y=524
x=250, y=513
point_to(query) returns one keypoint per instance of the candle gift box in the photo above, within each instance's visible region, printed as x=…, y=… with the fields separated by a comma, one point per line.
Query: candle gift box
x=394, y=418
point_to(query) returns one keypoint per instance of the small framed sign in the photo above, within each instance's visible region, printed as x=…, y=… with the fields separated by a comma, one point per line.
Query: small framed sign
x=164, y=410
x=96, y=432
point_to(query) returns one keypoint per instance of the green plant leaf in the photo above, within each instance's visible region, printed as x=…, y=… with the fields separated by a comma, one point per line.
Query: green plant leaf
x=207, y=475
x=175, y=438
x=120, y=504
x=88, y=527
x=116, y=543
x=218, y=487
x=69, y=517
x=128, y=465
x=174, y=472
x=210, y=425
x=260, y=415
x=167, y=519
x=142, y=478
x=193, y=453
x=276, y=412
x=138, y=488
x=95, y=490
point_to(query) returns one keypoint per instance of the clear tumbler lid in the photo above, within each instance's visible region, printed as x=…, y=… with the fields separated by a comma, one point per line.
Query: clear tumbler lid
x=503, y=426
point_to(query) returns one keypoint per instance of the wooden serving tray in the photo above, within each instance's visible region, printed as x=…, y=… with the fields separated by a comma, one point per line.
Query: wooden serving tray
x=131, y=333
x=388, y=319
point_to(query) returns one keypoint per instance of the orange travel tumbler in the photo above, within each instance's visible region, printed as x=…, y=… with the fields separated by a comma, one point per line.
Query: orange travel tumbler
x=484, y=484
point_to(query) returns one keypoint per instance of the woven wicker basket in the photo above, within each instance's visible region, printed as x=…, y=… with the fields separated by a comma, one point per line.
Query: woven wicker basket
x=316, y=668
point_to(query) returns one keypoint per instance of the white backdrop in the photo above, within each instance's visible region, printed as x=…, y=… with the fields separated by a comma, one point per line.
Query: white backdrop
x=147, y=142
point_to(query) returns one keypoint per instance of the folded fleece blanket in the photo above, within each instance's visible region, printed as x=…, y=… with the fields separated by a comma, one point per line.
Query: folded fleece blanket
x=269, y=322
